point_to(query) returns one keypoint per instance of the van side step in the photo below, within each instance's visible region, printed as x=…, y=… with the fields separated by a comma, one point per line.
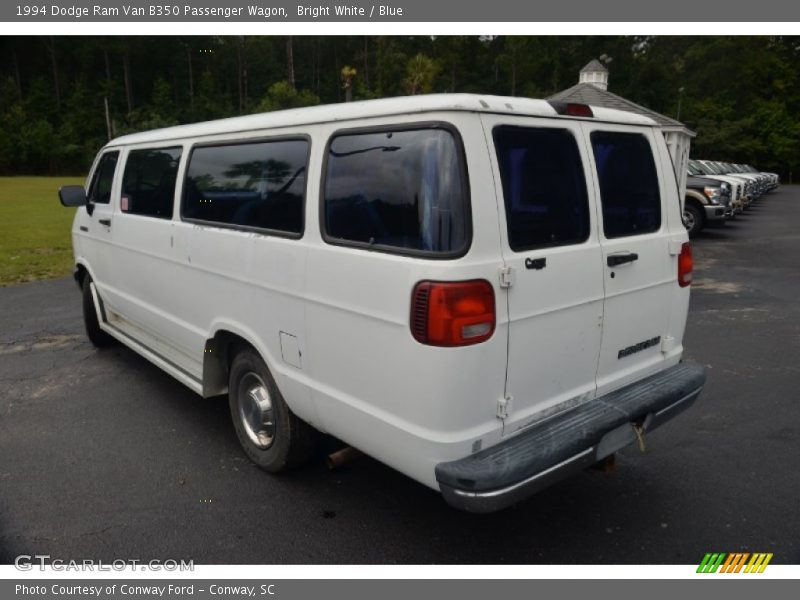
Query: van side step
x=524, y=464
x=148, y=346
x=158, y=360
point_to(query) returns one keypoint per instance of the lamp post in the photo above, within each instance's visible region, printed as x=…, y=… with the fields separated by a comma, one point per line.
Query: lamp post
x=680, y=98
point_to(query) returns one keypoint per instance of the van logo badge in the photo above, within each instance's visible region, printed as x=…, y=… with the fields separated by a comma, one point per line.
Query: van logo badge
x=638, y=347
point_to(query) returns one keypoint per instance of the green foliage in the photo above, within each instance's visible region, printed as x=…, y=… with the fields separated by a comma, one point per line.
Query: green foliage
x=281, y=95
x=160, y=112
x=740, y=94
x=421, y=72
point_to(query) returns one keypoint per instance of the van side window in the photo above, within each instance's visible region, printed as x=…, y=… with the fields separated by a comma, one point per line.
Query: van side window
x=544, y=187
x=397, y=189
x=258, y=185
x=148, y=183
x=628, y=183
x=100, y=187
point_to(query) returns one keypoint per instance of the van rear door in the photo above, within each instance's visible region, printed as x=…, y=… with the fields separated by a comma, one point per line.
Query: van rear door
x=639, y=270
x=550, y=241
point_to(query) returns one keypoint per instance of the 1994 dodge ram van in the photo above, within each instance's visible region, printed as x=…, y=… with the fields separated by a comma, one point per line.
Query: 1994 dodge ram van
x=484, y=293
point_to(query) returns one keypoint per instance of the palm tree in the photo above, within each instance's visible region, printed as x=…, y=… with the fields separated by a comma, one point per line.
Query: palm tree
x=421, y=71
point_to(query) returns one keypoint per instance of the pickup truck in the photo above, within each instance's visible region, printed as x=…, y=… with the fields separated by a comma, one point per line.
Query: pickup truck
x=707, y=203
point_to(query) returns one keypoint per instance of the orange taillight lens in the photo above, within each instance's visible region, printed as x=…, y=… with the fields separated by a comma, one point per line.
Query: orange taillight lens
x=685, y=265
x=457, y=313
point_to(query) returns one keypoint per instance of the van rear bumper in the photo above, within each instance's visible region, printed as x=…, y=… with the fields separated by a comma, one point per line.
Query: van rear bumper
x=516, y=468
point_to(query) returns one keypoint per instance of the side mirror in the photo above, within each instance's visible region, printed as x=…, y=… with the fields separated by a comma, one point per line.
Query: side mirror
x=72, y=195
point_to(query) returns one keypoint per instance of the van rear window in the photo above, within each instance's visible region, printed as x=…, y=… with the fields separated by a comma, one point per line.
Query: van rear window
x=628, y=183
x=259, y=185
x=544, y=187
x=402, y=191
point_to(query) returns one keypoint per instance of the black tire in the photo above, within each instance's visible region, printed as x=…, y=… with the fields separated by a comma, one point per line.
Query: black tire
x=289, y=441
x=693, y=219
x=97, y=336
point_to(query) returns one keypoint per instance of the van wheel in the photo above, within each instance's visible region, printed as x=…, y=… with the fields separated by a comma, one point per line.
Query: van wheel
x=692, y=219
x=270, y=434
x=97, y=336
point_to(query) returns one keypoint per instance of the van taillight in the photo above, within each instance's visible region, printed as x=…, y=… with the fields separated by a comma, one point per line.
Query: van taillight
x=455, y=313
x=572, y=109
x=685, y=265
x=579, y=110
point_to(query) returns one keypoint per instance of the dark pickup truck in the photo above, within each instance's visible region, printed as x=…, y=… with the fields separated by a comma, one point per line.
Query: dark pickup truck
x=707, y=203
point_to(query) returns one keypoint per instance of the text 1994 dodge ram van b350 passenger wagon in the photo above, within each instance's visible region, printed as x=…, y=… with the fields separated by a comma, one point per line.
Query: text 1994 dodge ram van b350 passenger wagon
x=484, y=293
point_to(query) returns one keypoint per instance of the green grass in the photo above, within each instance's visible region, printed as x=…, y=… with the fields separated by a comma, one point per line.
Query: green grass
x=35, y=239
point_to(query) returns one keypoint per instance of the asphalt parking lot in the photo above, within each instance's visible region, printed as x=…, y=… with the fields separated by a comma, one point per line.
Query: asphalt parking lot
x=104, y=456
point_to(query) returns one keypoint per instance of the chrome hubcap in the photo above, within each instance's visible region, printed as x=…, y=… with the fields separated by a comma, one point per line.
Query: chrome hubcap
x=255, y=411
x=688, y=220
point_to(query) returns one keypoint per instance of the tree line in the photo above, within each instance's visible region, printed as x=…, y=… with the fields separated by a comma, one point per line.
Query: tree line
x=61, y=98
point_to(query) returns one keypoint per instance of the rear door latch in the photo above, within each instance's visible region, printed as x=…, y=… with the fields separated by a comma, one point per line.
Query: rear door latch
x=504, y=407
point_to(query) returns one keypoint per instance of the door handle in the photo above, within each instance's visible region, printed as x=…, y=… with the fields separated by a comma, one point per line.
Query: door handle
x=535, y=263
x=614, y=260
x=106, y=222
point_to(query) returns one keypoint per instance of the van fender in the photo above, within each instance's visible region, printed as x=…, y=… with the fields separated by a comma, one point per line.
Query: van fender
x=82, y=268
x=223, y=335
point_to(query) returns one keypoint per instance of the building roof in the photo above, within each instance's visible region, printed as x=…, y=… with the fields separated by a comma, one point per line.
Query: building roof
x=405, y=105
x=594, y=65
x=586, y=93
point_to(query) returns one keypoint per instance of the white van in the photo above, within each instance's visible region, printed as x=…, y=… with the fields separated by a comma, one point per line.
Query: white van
x=484, y=293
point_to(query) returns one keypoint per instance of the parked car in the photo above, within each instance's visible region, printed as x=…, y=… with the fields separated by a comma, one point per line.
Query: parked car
x=773, y=178
x=707, y=203
x=752, y=183
x=485, y=293
x=700, y=169
x=747, y=186
x=766, y=181
x=757, y=181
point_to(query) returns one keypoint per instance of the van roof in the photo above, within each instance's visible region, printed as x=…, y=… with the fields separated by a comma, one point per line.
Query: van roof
x=373, y=108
